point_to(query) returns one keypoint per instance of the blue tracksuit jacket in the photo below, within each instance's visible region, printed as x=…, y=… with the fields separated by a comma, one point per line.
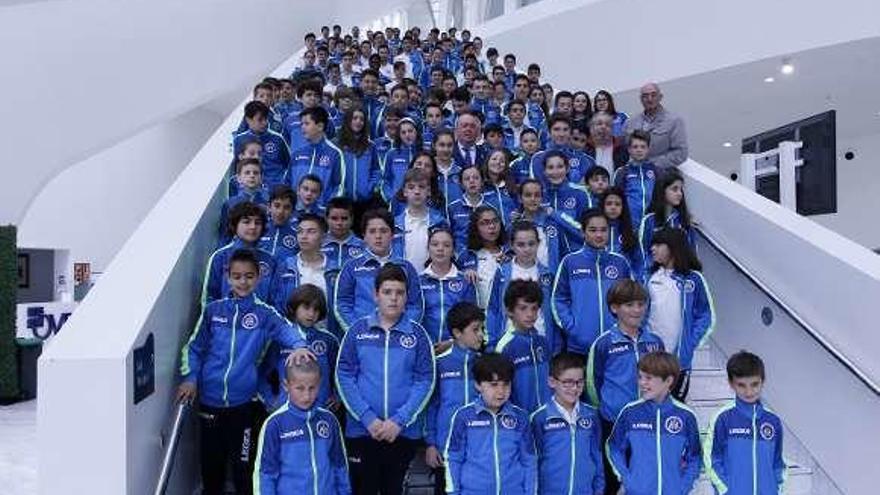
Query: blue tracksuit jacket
x=385, y=375
x=455, y=388
x=230, y=336
x=355, y=289
x=613, y=368
x=490, y=110
x=697, y=315
x=572, y=200
x=531, y=359
x=398, y=243
x=459, y=212
x=743, y=450
x=569, y=455
x=579, y=294
x=291, y=130
x=490, y=453
x=646, y=236
x=275, y=157
x=216, y=283
x=496, y=315
x=579, y=163
x=521, y=168
x=339, y=252
x=279, y=240
x=362, y=173
x=288, y=278
x=552, y=229
x=301, y=452
x=440, y=295
x=449, y=185
x=654, y=448
x=259, y=197
x=323, y=344
x=637, y=181
x=374, y=109
x=396, y=163
x=323, y=159
x=500, y=199
x=615, y=245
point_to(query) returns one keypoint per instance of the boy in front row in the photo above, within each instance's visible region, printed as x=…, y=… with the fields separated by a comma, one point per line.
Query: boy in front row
x=490, y=448
x=568, y=434
x=655, y=443
x=743, y=451
x=297, y=432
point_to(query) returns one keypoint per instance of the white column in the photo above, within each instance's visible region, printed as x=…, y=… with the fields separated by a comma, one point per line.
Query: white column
x=788, y=163
x=747, y=171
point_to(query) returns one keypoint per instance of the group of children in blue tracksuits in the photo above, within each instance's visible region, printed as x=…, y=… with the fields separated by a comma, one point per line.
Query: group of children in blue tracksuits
x=391, y=281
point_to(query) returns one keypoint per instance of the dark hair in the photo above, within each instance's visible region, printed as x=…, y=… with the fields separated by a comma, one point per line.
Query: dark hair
x=356, y=142
x=460, y=94
x=309, y=85
x=744, y=364
x=377, y=213
x=531, y=181
x=591, y=213
x=390, y=272
x=594, y=171
x=565, y=361
x=558, y=118
x=341, y=203
x=589, y=110
x=641, y=136
x=254, y=109
x=512, y=103
x=683, y=257
x=283, y=191
x=398, y=142
x=309, y=295
x=660, y=364
x=560, y=95
x=611, y=108
x=544, y=107
x=625, y=291
x=313, y=217
x=630, y=241
x=244, y=256
x=526, y=290
x=247, y=161
x=555, y=154
x=311, y=178
x=491, y=52
x=524, y=226
x=658, y=200
x=318, y=116
x=436, y=198
x=473, y=240
x=506, y=178
x=242, y=210
x=247, y=141
x=492, y=367
x=463, y=314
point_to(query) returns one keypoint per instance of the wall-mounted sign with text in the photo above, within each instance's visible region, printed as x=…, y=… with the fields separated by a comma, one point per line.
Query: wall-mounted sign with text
x=41, y=320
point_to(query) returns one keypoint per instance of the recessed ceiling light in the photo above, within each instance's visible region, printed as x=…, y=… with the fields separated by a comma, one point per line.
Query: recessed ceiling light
x=769, y=79
x=787, y=68
x=727, y=144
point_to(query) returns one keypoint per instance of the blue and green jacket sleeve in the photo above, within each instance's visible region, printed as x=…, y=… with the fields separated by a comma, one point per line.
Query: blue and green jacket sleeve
x=569, y=455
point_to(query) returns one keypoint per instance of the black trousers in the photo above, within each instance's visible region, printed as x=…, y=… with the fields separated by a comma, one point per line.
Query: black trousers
x=379, y=467
x=228, y=435
x=612, y=484
x=682, y=386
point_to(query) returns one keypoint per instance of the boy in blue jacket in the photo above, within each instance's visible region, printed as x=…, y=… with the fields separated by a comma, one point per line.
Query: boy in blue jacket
x=384, y=376
x=490, y=448
x=637, y=178
x=341, y=244
x=655, y=444
x=743, y=450
x=275, y=155
x=318, y=156
x=568, y=434
x=279, y=236
x=455, y=382
x=298, y=431
x=524, y=346
x=218, y=364
x=248, y=173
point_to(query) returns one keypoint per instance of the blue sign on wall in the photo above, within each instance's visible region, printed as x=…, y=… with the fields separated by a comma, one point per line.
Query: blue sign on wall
x=144, y=370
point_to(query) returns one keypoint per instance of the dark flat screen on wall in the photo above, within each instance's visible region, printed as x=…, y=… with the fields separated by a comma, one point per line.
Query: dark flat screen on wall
x=817, y=177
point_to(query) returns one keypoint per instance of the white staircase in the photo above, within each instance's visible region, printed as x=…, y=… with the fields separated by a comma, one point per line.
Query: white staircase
x=709, y=391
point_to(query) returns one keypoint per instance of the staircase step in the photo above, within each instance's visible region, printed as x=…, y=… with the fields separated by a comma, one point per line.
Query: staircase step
x=709, y=384
x=704, y=358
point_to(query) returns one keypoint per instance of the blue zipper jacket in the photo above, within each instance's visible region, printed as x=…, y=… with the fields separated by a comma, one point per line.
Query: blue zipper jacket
x=222, y=353
x=569, y=455
x=500, y=199
x=459, y=212
x=455, y=388
x=216, y=283
x=323, y=344
x=301, y=452
x=339, y=252
x=398, y=243
x=579, y=294
x=553, y=228
x=654, y=447
x=374, y=108
x=490, y=453
x=572, y=200
x=490, y=110
x=362, y=173
x=279, y=240
x=441, y=294
x=496, y=314
x=323, y=159
x=613, y=368
x=395, y=165
x=646, y=236
x=697, y=315
x=743, y=450
x=579, y=163
x=385, y=375
x=288, y=279
x=355, y=289
x=615, y=245
x=521, y=168
x=275, y=157
x=637, y=180
x=531, y=360
x=449, y=185
x=291, y=129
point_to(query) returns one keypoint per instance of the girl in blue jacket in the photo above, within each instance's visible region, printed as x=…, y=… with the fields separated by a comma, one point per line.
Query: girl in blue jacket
x=443, y=284
x=681, y=310
x=668, y=209
x=499, y=188
x=397, y=160
x=552, y=225
x=360, y=159
x=621, y=236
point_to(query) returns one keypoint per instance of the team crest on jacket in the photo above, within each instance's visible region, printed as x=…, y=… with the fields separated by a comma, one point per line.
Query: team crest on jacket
x=289, y=241
x=407, y=341
x=324, y=161
x=322, y=428
x=689, y=286
x=569, y=203
x=649, y=174
x=550, y=231
x=354, y=251
x=264, y=269
x=767, y=431
x=574, y=163
x=319, y=347
x=271, y=147
x=673, y=424
x=455, y=285
x=250, y=321
x=585, y=423
x=546, y=279
x=612, y=272
x=508, y=422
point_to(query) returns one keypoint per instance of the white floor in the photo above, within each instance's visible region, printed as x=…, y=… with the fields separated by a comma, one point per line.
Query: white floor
x=18, y=448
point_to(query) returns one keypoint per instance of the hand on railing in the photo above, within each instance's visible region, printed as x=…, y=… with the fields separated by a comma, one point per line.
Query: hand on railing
x=186, y=393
